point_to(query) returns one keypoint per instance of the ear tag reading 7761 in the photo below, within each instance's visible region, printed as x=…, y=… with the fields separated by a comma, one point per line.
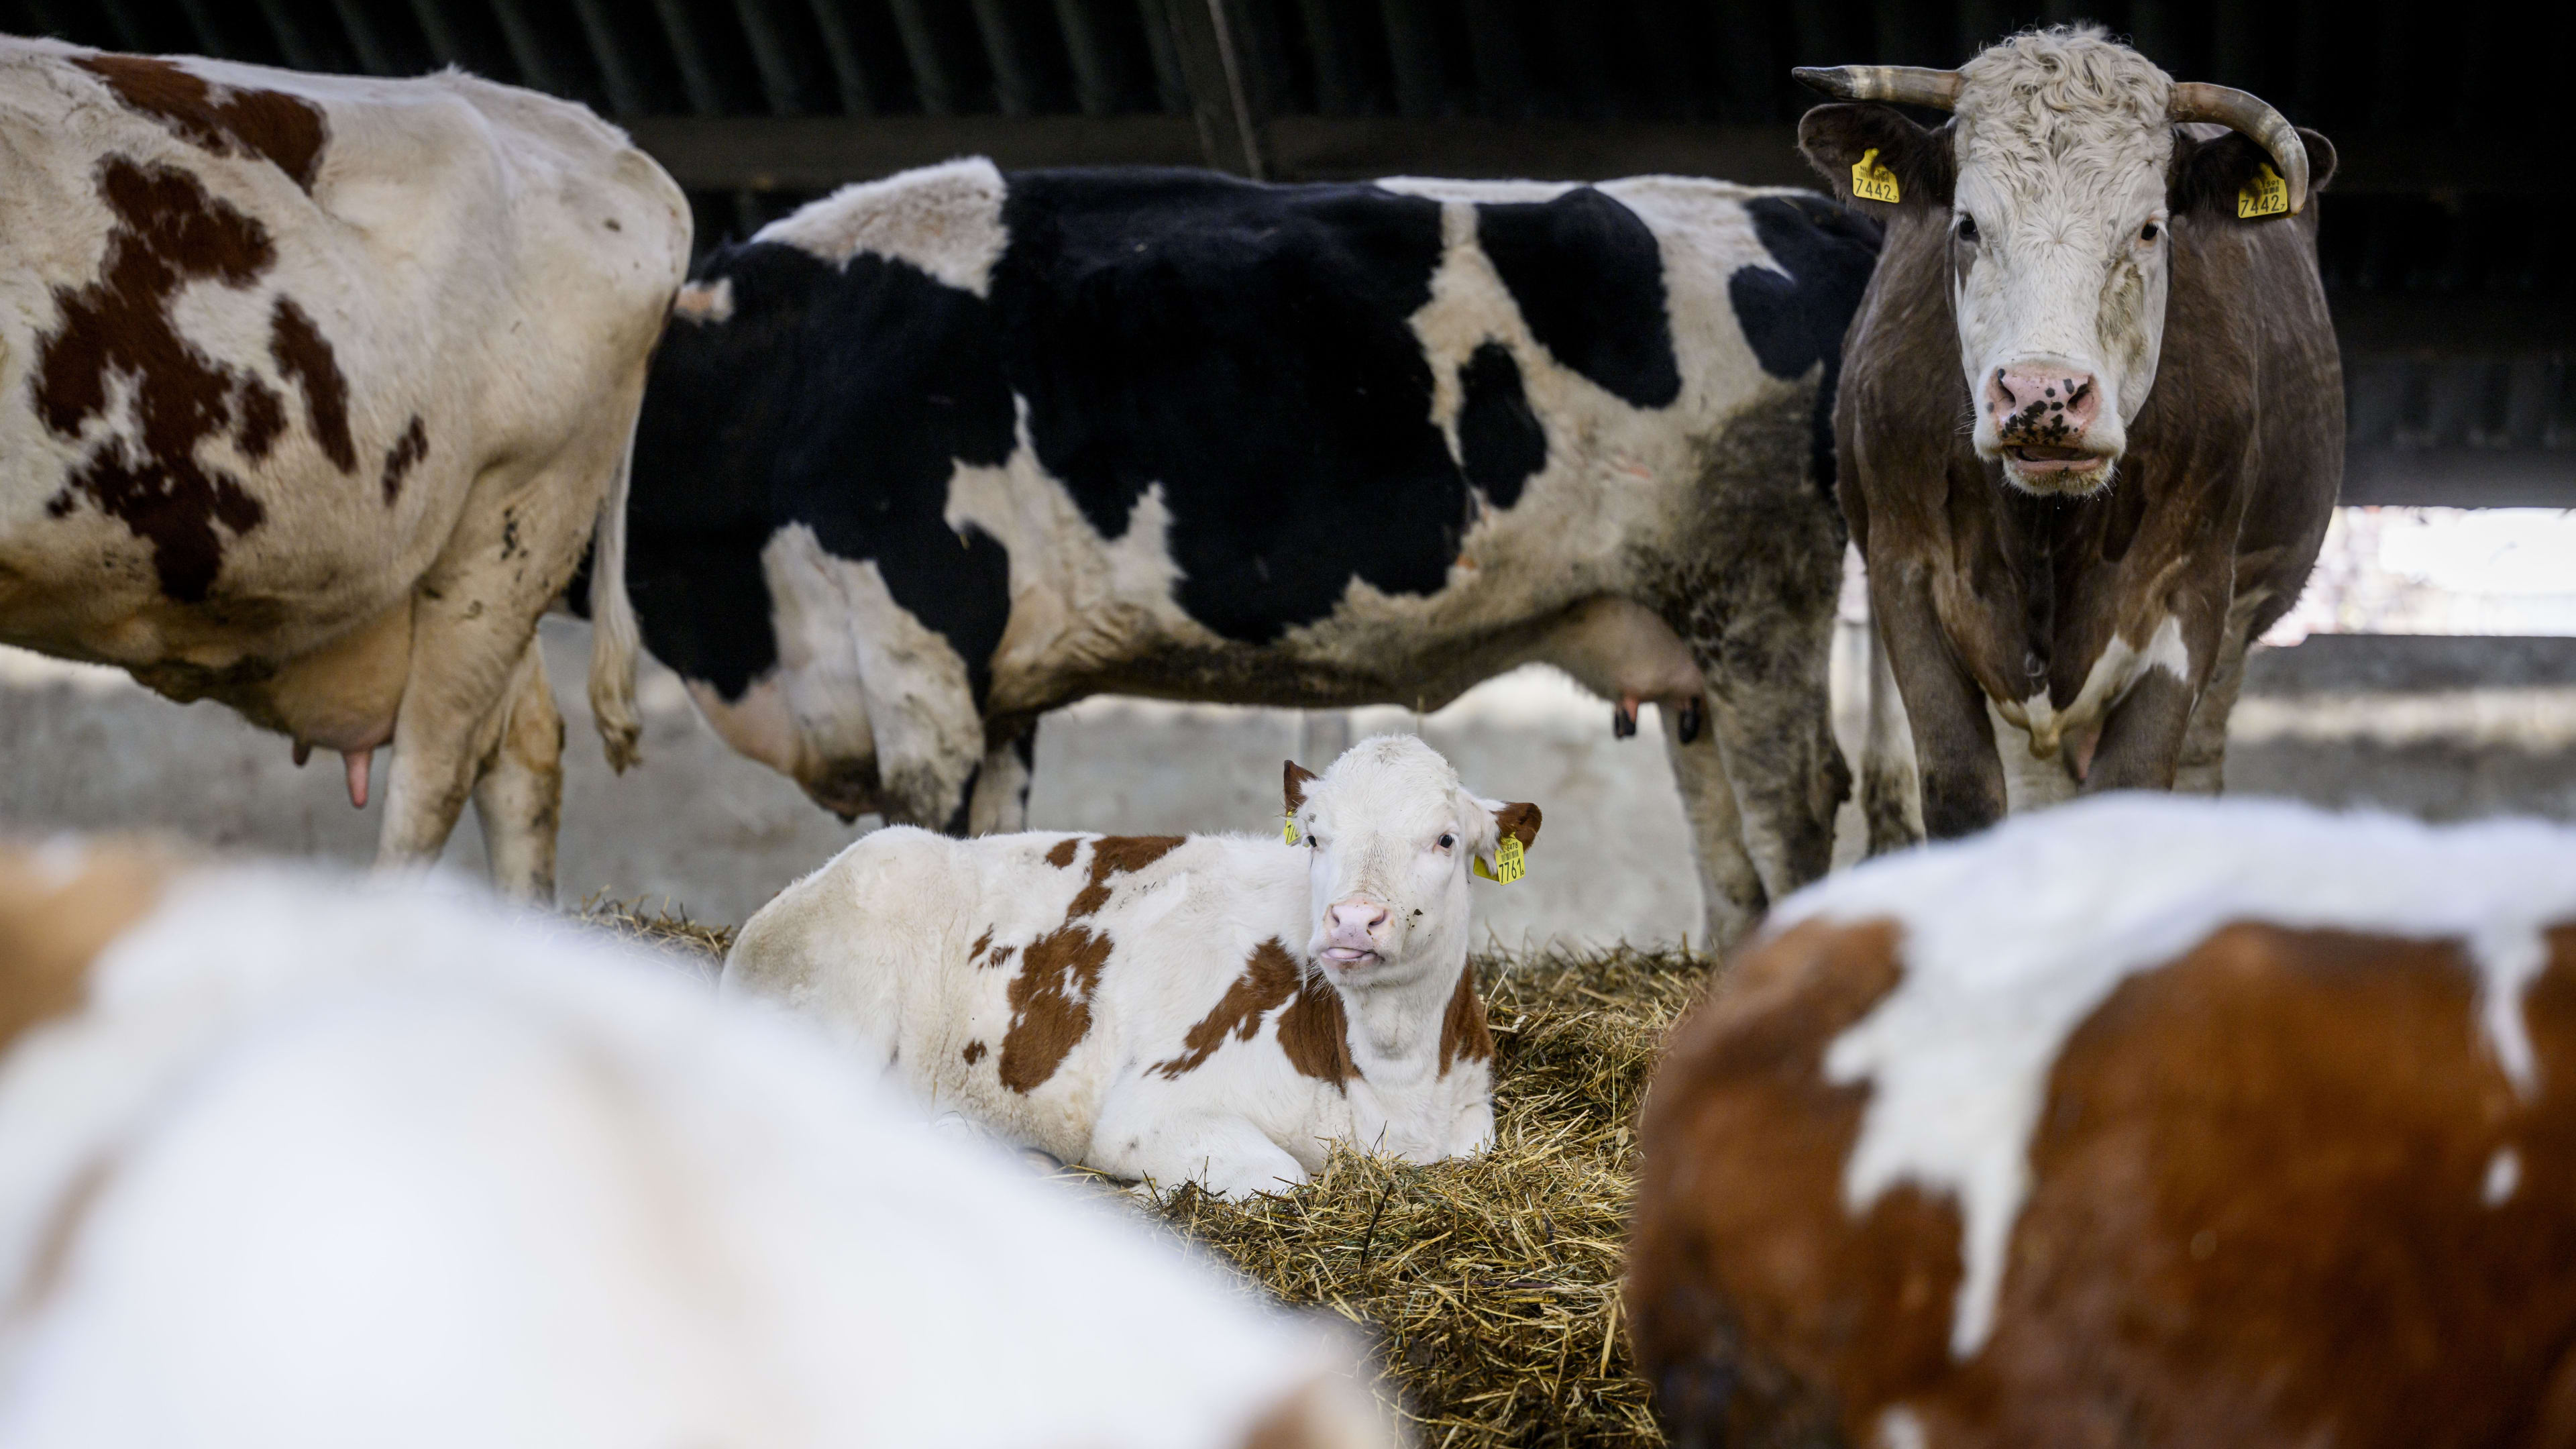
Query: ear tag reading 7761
x=1507, y=856
x=1288, y=828
x=2266, y=195
x=1872, y=181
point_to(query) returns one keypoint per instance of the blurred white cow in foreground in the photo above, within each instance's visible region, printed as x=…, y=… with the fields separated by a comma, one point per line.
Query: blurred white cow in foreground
x=289, y=1161
x=1213, y=1007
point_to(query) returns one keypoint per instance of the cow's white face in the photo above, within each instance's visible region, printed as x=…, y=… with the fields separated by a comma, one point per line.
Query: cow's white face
x=2059, y=258
x=1391, y=837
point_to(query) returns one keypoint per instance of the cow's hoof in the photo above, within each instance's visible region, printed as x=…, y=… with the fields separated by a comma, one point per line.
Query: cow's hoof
x=1686, y=727
x=1623, y=721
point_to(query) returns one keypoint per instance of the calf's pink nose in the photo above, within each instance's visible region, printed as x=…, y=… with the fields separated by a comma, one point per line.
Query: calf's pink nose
x=2042, y=406
x=1356, y=919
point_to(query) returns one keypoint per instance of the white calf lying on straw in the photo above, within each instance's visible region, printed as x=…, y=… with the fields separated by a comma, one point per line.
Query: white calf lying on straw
x=1211, y=1007
x=288, y=1163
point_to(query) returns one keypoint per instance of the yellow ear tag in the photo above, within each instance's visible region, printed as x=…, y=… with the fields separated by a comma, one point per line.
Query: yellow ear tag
x=1871, y=181
x=1288, y=828
x=2266, y=195
x=1508, y=856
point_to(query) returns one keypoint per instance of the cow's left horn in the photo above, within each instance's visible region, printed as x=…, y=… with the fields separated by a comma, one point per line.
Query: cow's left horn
x=2250, y=114
x=1911, y=85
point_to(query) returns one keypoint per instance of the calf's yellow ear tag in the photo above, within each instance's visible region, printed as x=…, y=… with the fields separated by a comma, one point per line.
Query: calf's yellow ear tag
x=1288, y=828
x=1872, y=181
x=2266, y=195
x=1507, y=856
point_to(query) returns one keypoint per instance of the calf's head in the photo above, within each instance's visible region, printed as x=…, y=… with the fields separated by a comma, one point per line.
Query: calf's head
x=1392, y=837
x=2058, y=184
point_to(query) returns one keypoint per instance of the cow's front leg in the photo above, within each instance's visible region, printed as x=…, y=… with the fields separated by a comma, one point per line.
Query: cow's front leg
x=1225, y=1154
x=455, y=707
x=2142, y=738
x=999, y=803
x=519, y=798
x=1959, y=772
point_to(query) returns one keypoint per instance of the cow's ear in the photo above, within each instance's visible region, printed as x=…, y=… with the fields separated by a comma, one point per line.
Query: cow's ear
x=1297, y=775
x=1893, y=152
x=2208, y=176
x=1517, y=819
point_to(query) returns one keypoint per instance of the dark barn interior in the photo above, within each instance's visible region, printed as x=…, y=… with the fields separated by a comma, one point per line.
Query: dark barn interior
x=2446, y=247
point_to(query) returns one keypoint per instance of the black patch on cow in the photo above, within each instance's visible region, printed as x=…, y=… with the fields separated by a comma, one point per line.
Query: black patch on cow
x=836, y=398
x=1798, y=320
x=1589, y=279
x=1500, y=440
x=1246, y=348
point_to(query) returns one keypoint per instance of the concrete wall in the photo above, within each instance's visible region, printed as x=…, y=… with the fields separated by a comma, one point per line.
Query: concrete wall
x=2439, y=727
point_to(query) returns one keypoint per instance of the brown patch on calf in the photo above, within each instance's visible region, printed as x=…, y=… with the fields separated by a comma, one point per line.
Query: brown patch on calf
x=1051, y=997
x=407, y=451
x=55, y=917
x=1312, y=1028
x=301, y=352
x=1060, y=854
x=974, y=1052
x=1519, y=820
x=287, y=131
x=169, y=231
x=983, y=943
x=2258, y=1213
x=1295, y=778
x=1463, y=1033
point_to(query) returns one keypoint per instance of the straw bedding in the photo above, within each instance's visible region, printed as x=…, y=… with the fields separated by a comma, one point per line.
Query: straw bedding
x=1488, y=1285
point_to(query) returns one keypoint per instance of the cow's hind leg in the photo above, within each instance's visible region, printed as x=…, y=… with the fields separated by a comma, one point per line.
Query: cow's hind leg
x=1731, y=895
x=2203, y=770
x=520, y=796
x=999, y=802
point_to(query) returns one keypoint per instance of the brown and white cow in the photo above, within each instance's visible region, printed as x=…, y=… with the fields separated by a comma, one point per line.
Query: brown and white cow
x=2091, y=419
x=1212, y=1008
x=312, y=390
x=2148, y=1120
x=283, y=1153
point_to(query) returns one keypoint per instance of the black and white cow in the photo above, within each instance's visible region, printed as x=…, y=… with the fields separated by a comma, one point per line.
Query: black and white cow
x=942, y=452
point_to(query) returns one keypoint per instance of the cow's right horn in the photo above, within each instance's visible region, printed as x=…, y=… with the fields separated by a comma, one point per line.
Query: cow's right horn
x=2245, y=112
x=1908, y=85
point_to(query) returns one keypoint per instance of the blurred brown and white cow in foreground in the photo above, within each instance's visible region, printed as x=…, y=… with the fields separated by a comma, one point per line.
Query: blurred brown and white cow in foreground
x=290, y=1161
x=1210, y=1008
x=2147, y=1121
x=312, y=390
x=2091, y=417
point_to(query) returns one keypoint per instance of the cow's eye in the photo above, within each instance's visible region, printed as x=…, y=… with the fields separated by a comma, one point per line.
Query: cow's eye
x=1314, y=842
x=1447, y=841
x=1967, y=230
x=2150, y=232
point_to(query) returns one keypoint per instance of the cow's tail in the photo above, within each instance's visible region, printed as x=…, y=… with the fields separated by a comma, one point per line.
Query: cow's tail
x=613, y=637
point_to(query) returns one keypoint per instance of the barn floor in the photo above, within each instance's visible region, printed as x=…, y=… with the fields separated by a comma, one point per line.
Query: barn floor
x=2439, y=726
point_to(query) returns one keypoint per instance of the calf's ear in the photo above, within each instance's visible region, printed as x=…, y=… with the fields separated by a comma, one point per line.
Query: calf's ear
x=1836, y=138
x=1517, y=819
x=1296, y=775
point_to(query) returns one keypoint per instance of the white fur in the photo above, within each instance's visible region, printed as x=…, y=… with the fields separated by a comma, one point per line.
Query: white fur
x=2012, y=938
x=2062, y=145
x=944, y=219
x=880, y=944
x=323, y=1159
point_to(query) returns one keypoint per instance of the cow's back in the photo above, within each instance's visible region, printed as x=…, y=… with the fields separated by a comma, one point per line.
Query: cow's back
x=271, y=327
x=2238, y=1125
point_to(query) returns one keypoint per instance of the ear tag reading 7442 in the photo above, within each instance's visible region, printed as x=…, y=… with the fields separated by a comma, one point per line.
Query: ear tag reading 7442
x=1508, y=856
x=1872, y=181
x=2266, y=195
x=1288, y=828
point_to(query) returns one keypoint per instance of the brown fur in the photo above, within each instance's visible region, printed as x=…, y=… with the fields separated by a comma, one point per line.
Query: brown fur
x=2256, y=1214
x=169, y=232
x=1463, y=1033
x=52, y=928
x=301, y=352
x=1051, y=997
x=1519, y=820
x=1294, y=780
x=407, y=451
x=2232, y=468
x=286, y=130
x=1312, y=1028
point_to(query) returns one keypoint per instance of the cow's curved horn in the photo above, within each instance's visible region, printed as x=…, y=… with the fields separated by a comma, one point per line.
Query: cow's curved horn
x=1911, y=85
x=2250, y=114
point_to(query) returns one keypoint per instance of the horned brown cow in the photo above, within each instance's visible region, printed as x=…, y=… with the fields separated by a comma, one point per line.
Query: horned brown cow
x=2144, y=1121
x=2091, y=420
x=312, y=390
